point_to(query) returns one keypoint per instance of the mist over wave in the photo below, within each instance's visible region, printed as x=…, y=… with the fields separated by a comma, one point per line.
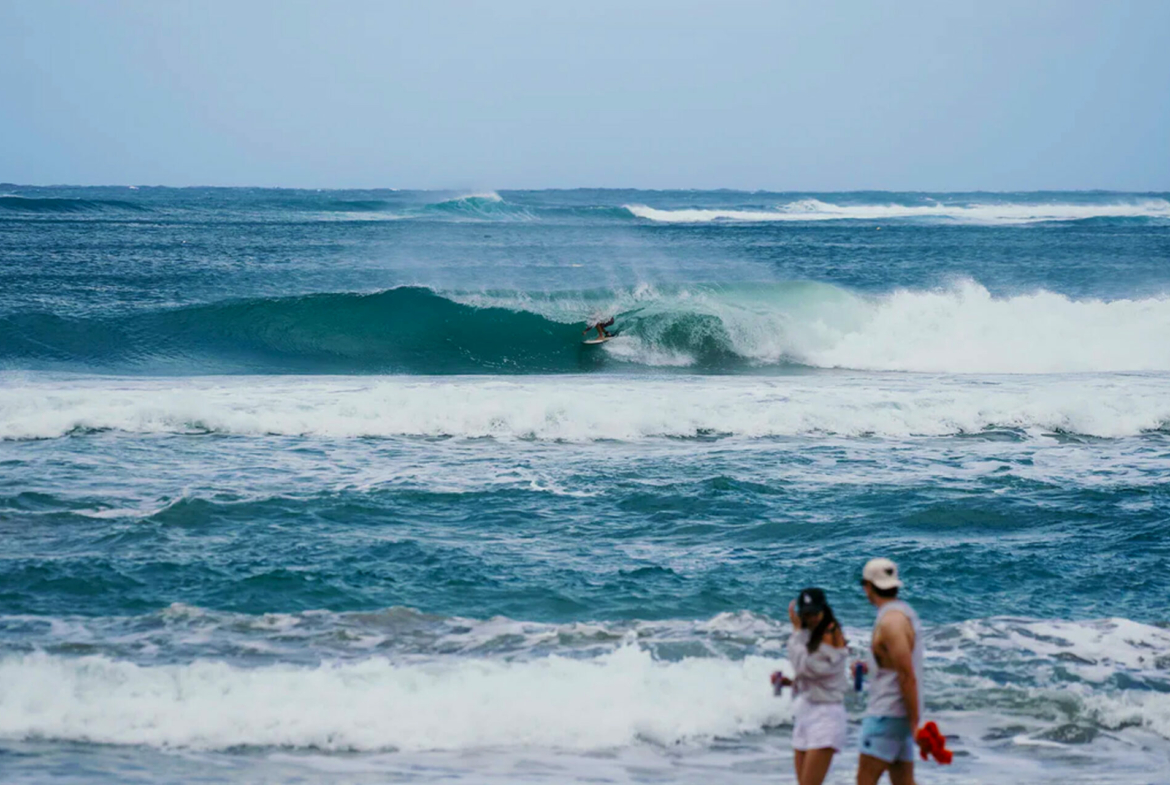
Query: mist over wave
x=705, y=328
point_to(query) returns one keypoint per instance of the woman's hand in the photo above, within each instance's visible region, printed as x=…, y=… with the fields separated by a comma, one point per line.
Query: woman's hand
x=792, y=615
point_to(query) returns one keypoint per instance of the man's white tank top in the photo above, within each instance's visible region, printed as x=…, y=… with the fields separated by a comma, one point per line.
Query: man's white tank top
x=885, y=694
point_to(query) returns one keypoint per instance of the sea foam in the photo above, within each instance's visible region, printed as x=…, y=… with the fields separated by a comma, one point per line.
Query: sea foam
x=618, y=699
x=975, y=213
x=544, y=408
x=1048, y=676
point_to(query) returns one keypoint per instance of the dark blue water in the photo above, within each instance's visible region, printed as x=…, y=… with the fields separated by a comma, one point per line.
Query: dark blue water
x=337, y=466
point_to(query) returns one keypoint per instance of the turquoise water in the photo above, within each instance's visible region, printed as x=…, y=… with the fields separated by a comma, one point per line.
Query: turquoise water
x=312, y=486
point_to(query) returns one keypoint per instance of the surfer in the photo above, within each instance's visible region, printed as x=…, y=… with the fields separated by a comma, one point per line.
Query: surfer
x=600, y=327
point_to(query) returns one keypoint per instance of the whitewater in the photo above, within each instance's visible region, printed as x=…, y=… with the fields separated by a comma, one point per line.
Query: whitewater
x=323, y=486
x=47, y=406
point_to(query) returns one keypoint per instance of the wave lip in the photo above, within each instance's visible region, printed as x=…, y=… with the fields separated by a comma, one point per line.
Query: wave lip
x=973, y=213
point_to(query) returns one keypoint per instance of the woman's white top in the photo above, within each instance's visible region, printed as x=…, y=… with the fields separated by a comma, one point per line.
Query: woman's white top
x=818, y=677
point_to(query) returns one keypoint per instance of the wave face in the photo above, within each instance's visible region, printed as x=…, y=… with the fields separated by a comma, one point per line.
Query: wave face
x=59, y=204
x=402, y=330
x=961, y=329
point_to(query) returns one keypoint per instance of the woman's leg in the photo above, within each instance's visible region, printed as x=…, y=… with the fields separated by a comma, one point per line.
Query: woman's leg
x=798, y=761
x=816, y=766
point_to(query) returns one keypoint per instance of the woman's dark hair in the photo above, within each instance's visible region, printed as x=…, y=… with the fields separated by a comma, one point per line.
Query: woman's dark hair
x=828, y=621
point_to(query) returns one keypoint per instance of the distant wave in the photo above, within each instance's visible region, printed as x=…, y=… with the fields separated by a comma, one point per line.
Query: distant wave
x=32, y=204
x=975, y=213
x=960, y=329
x=354, y=205
x=720, y=207
x=483, y=206
x=623, y=408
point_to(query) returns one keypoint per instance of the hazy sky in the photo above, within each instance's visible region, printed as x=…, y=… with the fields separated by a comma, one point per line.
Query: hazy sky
x=948, y=95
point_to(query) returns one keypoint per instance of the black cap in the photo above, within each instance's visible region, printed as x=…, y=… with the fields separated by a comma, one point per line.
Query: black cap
x=811, y=600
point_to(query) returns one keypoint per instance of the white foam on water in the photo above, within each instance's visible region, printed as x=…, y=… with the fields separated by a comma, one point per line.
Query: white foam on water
x=618, y=699
x=483, y=196
x=1019, y=696
x=964, y=329
x=959, y=328
x=587, y=409
x=977, y=213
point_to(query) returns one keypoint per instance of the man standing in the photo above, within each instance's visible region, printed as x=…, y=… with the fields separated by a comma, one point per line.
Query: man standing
x=895, y=703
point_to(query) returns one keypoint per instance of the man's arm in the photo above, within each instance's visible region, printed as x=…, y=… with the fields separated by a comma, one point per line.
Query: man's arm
x=897, y=637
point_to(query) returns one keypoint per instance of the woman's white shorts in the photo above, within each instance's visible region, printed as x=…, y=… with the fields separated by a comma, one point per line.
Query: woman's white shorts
x=818, y=725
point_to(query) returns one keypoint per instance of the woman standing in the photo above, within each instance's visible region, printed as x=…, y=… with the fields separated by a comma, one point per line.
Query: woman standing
x=817, y=653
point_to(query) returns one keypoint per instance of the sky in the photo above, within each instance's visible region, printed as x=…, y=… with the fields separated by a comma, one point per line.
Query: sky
x=789, y=96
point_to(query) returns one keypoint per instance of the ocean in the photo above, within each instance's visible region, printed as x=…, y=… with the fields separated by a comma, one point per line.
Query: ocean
x=323, y=486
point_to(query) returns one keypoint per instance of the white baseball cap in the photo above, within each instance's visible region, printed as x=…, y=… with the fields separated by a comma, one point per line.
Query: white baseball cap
x=882, y=573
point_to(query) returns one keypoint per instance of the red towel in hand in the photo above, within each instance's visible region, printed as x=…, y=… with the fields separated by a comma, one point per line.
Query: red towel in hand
x=933, y=743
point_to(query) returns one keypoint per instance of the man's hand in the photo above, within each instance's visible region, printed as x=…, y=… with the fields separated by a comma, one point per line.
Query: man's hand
x=923, y=742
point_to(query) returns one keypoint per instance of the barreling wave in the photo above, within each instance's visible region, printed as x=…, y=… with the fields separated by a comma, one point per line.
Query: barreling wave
x=407, y=330
x=990, y=212
x=705, y=328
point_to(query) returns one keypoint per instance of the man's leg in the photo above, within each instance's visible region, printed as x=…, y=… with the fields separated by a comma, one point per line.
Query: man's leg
x=870, y=769
x=902, y=772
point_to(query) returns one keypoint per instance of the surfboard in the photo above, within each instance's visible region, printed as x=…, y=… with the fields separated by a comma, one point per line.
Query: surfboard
x=595, y=341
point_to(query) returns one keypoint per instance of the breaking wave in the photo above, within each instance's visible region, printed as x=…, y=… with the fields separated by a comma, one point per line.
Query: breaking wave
x=990, y=212
x=706, y=328
x=1058, y=682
